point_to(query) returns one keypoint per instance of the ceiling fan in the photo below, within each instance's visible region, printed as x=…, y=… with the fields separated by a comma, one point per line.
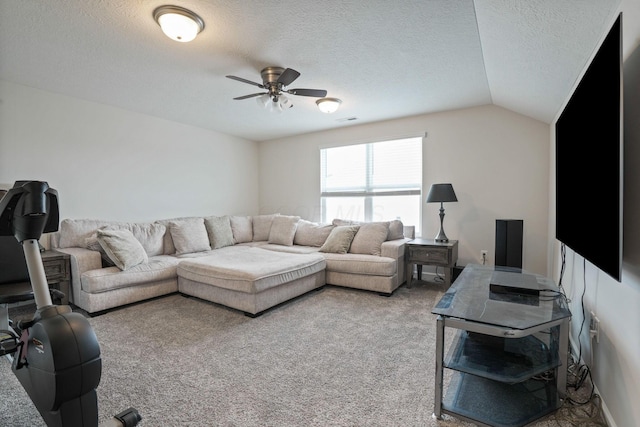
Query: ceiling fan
x=274, y=81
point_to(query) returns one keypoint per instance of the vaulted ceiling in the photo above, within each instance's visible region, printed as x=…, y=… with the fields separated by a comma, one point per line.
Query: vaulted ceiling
x=385, y=59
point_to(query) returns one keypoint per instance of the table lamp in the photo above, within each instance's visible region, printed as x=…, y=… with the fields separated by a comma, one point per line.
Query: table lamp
x=441, y=193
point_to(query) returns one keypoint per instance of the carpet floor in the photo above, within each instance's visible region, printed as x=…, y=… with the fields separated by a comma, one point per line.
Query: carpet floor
x=335, y=357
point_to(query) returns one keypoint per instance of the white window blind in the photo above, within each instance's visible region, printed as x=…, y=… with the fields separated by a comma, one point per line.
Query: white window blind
x=377, y=181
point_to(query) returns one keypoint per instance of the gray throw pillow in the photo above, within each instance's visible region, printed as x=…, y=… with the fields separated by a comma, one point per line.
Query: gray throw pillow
x=122, y=248
x=396, y=230
x=262, y=227
x=242, y=229
x=92, y=244
x=283, y=230
x=189, y=235
x=219, y=230
x=340, y=239
x=311, y=234
x=150, y=235
x=369, y=238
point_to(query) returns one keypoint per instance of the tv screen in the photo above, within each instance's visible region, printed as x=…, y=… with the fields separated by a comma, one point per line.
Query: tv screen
x=589, y=161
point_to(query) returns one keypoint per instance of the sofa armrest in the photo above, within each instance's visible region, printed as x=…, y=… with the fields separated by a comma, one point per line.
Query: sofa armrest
x=394, y=248
x=81, y=260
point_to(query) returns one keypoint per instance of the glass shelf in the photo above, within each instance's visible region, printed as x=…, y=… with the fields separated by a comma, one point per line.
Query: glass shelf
x=508, y=360
x=499, y=404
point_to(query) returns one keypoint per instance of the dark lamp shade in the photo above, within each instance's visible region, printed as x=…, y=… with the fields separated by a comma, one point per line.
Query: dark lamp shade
x=441, y=193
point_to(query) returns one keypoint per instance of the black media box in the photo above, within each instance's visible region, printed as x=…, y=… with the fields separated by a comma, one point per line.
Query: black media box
x=507, y=282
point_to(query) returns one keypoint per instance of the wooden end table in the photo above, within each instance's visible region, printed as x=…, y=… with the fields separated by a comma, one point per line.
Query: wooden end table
x=429, y=252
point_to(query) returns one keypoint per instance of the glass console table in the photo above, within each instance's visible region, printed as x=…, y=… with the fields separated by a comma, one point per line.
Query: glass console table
x=509, y=351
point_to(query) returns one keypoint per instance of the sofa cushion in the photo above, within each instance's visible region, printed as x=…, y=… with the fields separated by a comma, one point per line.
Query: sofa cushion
x=189, y=235
x=110, y=278
x=283, y=230
x=368, y=265
x=396, y=230
x=92, y=244
x=122, y=248
x=242, y=228
x=262, y=226
x=74, y=232
x=249, y=269
x=311, y=234
x=396, y=227
x=219, y=231
x=340, y=239
x=169, y=247
x=150, y=235
x=369, y=238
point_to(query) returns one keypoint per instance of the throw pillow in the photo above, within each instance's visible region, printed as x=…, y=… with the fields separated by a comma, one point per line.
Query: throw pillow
x=369, y=238
x=396, y=230
x=92, y=244
x=311, y=234
x=150, y=235
x=242, y=229
x=219, y=231
x=340, y=239
x=262, y=227
x=189, y=235
x=122, y=248
x=283, y=230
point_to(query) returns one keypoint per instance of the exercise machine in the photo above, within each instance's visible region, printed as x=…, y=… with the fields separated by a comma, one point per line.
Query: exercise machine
x=55, y=355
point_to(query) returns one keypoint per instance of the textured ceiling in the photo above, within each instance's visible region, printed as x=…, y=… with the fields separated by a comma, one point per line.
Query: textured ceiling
x=385, y=59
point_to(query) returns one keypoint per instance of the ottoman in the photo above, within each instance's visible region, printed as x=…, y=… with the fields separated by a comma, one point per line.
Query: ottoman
x=250, y=279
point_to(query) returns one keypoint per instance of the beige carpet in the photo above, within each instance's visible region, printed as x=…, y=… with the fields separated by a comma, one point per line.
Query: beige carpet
x=336, y=357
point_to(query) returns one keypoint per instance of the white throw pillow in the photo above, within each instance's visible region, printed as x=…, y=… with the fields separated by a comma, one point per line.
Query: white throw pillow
x=340, y=239
x=369, y=238
x=283, y=230
x=122, y=248
x=189, y=235
x=262, y=227
x=219, y=230
x=396, y=230
x=242, y=229
x=311, y=234
x=150, y=235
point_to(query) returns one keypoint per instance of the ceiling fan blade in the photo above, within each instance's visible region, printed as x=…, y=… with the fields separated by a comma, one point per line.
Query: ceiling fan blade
x=251, y=96
x=240, y=79
x=318, y=93
x=288, y=76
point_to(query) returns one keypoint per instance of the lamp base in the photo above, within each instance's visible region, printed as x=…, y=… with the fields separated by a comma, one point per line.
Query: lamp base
x=441, y=237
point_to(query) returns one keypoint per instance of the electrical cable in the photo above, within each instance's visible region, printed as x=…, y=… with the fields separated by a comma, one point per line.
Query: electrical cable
x=578, y=372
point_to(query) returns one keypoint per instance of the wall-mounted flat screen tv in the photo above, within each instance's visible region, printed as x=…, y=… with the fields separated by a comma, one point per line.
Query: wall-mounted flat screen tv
x=589, y=161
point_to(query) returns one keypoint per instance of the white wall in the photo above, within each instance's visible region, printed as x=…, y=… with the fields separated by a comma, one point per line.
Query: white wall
x=114, y=164
x=615, y=360
x=497, y=161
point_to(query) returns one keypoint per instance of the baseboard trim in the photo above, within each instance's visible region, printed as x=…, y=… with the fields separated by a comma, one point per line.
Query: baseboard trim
x=605, y=409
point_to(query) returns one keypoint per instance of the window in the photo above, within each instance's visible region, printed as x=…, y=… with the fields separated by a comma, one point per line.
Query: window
x=378, y=181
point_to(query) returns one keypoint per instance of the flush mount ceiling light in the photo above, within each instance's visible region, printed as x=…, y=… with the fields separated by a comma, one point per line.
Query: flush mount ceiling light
x=178, y=23
x=328, y=105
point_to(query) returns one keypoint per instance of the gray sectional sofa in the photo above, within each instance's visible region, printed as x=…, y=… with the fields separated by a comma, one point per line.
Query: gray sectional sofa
x=249, y=263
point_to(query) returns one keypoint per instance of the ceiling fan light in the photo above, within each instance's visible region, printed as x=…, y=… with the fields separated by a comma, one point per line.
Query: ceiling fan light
x=328, y=105
x=178, y=23
x=263, y=100
x=284, y=102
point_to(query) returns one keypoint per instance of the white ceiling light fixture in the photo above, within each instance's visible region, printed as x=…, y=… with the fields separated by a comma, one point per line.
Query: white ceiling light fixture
x=178, y=23
x=328, y=105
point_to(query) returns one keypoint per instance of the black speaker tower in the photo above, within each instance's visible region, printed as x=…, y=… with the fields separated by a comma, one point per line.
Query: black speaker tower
x=509, y=242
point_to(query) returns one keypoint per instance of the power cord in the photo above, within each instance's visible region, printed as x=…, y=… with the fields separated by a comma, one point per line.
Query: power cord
x=577, y=372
